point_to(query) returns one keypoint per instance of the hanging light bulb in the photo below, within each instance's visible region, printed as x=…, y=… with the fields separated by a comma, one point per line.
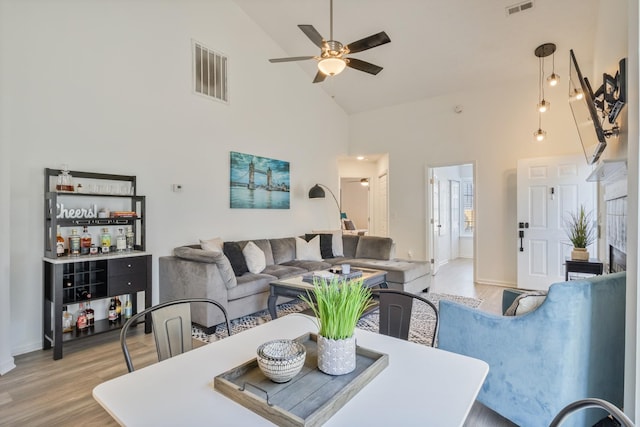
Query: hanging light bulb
x=553, y=79
x=544, y=106
x=539, y=135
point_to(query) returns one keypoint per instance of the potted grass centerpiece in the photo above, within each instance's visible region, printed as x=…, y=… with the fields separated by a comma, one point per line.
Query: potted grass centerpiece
x=581, y=233
x=338, y=304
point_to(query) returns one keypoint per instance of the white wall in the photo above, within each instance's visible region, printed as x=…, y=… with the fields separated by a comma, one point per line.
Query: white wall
x=494, y=131
x=6, y=360
x=106, y=87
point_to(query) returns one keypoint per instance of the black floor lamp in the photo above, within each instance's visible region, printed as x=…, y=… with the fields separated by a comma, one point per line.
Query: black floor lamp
x=317, y=192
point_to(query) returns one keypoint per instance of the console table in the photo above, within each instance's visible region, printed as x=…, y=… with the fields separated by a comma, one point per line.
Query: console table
x=593, y=266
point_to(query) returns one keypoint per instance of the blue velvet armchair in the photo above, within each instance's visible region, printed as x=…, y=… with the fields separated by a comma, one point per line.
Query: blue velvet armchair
x=571, y=347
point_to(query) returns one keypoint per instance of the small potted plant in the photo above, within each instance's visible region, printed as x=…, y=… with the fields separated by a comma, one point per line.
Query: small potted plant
x=581, y=233
x=338, y=305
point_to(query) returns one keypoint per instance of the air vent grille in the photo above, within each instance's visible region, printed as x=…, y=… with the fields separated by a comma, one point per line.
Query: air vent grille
x=210, y=73
x=519, y=7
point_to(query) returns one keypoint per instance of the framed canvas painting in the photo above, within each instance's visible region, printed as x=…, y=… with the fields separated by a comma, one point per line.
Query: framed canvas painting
x=258, y=182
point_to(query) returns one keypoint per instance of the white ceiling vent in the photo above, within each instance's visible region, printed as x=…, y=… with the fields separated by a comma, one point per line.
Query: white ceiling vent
x=519, y=7
x=210, y=73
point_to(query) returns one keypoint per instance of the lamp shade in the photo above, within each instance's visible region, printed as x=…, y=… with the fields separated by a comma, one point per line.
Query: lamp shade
x=331, y=66
x=316, y=192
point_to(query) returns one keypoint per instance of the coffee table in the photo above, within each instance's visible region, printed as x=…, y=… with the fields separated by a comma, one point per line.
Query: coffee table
x=295, y=286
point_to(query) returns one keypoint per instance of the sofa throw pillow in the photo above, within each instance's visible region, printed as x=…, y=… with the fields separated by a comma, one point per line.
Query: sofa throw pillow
x=326, y=244
x=236, y=257
x=254, y=257
x=213, y=245
x=526, y=303
x=337, y=248
x=374, y=247
x=308, y=251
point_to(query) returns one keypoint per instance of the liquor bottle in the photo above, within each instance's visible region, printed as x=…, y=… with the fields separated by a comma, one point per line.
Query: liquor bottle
x=128, y=309
x=59, y=242
x=130, y=236
x=118, y=309
x=67, y=320
x=74, y=243
x=90, y=314
x=81, y=319
x=85, y=241
x=64, y=182
x=121, y=241
x=105, y=240
x=112, y=315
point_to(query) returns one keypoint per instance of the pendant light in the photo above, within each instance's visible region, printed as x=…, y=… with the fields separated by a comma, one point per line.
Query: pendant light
x=543, y=106
x=553, y=78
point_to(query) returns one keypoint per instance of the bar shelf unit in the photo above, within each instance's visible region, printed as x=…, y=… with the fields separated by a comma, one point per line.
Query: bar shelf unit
x=70, y=279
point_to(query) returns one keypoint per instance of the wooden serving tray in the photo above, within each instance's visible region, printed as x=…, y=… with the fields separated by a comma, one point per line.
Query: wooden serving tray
x=310, y=398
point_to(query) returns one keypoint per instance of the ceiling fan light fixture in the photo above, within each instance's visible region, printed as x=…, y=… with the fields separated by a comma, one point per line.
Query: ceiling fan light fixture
x=331, y=66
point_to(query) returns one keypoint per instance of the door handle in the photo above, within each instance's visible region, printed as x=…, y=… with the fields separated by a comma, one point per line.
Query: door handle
x=521, y=235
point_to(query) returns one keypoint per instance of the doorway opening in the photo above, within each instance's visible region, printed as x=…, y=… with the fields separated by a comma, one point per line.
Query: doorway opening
x=451, y=216
x=355, y=204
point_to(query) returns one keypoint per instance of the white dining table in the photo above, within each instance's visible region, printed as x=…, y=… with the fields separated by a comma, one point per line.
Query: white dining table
x=421, y=386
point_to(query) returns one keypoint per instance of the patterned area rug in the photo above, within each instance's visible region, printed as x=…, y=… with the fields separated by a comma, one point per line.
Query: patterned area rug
x=422, y=319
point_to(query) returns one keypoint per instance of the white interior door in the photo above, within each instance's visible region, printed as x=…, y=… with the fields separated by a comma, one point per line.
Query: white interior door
x=455, y=219
x=435, y=222
x=382, y=222
x=548, y=189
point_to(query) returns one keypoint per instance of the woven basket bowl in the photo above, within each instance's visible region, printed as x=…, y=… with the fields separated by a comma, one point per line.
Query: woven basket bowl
x=281, y=360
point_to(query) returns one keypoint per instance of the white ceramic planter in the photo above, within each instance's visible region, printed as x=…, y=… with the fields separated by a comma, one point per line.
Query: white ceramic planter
x=336, y=357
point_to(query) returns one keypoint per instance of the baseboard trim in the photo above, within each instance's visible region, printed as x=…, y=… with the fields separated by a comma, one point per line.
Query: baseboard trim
x=7, y=365
x=496, y=283
x=27, y=348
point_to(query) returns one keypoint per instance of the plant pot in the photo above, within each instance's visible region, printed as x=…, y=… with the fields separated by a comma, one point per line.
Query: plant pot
x=336, y=357
x=580, y=254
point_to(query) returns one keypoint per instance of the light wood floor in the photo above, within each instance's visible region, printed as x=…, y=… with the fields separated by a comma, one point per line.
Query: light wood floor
x=44, y=392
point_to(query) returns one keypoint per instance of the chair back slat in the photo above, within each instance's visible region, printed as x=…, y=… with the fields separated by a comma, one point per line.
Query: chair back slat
x=172, y=330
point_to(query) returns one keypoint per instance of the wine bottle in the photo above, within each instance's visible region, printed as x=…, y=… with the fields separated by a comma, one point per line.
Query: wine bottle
x=128, y=309
x=85, y=241
x=112, y=315
x=59, y=242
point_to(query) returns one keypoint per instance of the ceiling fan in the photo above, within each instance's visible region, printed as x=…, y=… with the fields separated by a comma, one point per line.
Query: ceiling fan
x=333, y=55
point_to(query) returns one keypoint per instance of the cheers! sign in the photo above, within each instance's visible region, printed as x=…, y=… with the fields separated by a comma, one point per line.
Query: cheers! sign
x=62, y=212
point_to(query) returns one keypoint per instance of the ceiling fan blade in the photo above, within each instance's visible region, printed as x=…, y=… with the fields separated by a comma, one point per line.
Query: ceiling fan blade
x=365, y=66
x=319, y=77
x=369, y=42
x=313, y=34
x=292, y=58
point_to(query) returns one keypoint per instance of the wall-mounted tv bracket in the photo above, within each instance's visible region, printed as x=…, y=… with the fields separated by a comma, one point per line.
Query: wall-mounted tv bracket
x=522, y=226
x=612, y=95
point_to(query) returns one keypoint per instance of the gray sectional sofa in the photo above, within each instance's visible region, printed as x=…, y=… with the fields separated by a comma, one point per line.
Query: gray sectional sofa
x=194, y=272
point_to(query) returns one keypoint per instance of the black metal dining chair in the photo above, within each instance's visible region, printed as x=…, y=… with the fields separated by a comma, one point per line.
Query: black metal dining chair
x=572, y=407
x=395, y=312
x=171, y=323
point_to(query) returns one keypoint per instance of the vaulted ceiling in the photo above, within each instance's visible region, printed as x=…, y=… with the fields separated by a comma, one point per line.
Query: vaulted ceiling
x=436, y=47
